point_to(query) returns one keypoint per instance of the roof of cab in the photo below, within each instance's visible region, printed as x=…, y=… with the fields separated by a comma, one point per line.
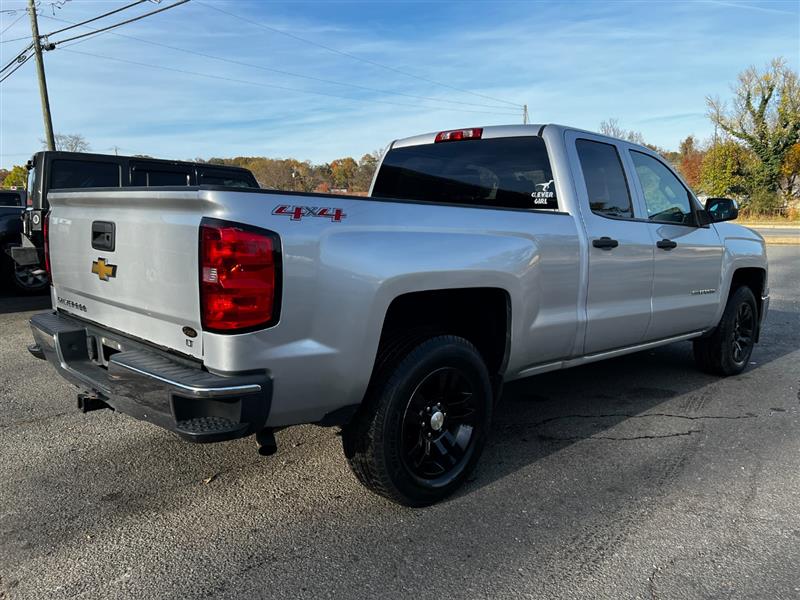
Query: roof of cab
x=500, y=131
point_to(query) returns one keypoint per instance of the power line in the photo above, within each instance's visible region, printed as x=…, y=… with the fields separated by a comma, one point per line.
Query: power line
x=97, y=18
x=14, y=70
x=353, y=56
x=148, y=14
x=283, y=72
x=18, y=58
x=275, y=86
x=17, y=20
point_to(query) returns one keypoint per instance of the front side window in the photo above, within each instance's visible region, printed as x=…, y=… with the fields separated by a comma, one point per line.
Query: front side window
x=606, y=186
x=511, y=172
x=666, y=198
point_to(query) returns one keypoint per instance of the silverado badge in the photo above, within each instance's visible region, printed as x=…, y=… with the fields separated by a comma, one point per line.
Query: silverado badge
x=103, y=270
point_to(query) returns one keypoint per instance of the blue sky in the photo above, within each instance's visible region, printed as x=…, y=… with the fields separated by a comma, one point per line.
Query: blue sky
x=648, y=64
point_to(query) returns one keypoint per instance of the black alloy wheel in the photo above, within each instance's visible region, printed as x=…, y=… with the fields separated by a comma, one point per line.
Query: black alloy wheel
x=438, y=430
x=743, y=332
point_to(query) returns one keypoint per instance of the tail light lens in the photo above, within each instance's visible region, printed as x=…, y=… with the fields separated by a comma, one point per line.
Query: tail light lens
x=46, y=233
x=239, y=277
x=455, y=135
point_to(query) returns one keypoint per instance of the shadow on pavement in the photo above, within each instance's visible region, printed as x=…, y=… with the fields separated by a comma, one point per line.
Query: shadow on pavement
x=10, y=302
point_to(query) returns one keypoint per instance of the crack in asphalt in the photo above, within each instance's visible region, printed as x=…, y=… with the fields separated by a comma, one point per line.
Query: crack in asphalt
x=643, y=416
x=620, y=439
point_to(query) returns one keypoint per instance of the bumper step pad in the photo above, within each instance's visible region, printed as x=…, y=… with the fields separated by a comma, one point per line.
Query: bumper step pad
x=210, y=429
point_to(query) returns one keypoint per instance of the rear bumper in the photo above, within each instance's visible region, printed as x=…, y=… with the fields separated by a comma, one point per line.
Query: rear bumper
x=152, y=385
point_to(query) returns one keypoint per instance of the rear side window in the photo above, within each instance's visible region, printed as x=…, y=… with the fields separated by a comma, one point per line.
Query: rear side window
x=10, y=199
x=83, y=174
x=605, y=180
x=509, y=172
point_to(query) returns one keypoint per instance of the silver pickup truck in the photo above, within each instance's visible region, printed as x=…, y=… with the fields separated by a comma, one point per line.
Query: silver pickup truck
x=482, y=256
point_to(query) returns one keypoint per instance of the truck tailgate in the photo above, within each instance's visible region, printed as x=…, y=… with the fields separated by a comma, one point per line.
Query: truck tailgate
x=128, y=261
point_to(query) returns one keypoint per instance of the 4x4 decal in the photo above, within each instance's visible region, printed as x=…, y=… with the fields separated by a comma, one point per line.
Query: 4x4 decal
x=295, y=213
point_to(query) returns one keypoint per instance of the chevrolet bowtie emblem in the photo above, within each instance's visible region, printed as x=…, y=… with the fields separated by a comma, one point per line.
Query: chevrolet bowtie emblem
x=103, y=270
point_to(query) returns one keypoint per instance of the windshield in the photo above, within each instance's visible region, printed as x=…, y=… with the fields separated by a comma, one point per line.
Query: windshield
x=512, y=172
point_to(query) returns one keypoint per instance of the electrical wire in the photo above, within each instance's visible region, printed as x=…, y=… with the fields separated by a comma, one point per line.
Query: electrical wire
x=153, y=12
x=17, y=58
x=14, y=70
x=353, y=56
x=17, y=20
x=283, y=72
x=97, y=18
x=275, y=86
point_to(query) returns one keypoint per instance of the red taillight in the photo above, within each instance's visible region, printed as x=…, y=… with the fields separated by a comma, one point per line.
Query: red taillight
x=459, y=134
x=239, y=276
x=46, y=232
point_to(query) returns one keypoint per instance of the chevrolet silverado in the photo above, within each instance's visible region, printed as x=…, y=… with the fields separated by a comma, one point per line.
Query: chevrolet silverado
x=481, y=256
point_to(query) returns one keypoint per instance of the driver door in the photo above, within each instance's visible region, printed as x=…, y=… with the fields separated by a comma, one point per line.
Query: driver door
x=688, y=258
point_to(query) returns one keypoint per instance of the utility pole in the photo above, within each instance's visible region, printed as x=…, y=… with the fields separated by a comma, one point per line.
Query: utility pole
x=37, y=49
x=524, y=114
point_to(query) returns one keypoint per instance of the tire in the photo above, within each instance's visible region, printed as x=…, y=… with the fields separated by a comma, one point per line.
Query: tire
x=23, y=281
x=727, y=350
x=403, y=444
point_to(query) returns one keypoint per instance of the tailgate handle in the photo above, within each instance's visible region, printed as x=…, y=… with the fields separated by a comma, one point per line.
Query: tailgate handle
x=103, y=235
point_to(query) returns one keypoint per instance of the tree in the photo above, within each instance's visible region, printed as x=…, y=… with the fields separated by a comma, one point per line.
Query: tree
x=611, y=128
x=690, y=161
x=17, y=177
x=727, y=170
x=365, y=171
x=791, y=171
x=343, y=171
x=765, y=116
x=69, y=142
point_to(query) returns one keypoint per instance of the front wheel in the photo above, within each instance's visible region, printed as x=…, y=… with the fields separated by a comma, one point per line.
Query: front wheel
x=423, y=424
x=727, y=350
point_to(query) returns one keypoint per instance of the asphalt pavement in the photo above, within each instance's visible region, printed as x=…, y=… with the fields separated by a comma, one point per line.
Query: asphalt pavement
x=634, y=478
x=790, y=232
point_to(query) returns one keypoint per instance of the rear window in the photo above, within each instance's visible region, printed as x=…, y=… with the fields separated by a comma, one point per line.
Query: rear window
x=511, y=172
x=10, y=199
x=83, y=174
x=227, y=179
x=154, y=178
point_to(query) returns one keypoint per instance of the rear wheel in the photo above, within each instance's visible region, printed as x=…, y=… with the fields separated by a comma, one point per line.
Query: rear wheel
x=25, y=280
x=727, y=350
x=423, y=424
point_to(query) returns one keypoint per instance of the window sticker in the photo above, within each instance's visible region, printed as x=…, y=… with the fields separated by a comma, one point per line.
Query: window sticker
x=545, y=195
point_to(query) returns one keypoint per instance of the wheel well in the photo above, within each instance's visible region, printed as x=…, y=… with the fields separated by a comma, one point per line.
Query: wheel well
x=480, y=315
x=752, y=277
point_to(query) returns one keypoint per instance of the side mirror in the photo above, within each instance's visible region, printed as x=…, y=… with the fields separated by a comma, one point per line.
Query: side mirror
x=722, y=209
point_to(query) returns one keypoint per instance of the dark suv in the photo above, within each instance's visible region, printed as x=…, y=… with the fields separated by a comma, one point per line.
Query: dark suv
x=66, y=170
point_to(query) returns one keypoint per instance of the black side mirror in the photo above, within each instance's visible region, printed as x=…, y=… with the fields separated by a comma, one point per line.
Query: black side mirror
x=722, y=209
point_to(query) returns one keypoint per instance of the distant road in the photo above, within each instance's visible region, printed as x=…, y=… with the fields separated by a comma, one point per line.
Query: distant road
x=778, y=231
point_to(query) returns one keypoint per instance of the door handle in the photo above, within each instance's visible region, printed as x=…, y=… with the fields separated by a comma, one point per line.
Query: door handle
x=605, y=243
x=666, y=244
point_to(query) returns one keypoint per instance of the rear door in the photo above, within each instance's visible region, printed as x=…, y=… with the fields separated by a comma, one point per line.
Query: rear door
x=688, y=258
x=128, y=260
x=620, y=266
